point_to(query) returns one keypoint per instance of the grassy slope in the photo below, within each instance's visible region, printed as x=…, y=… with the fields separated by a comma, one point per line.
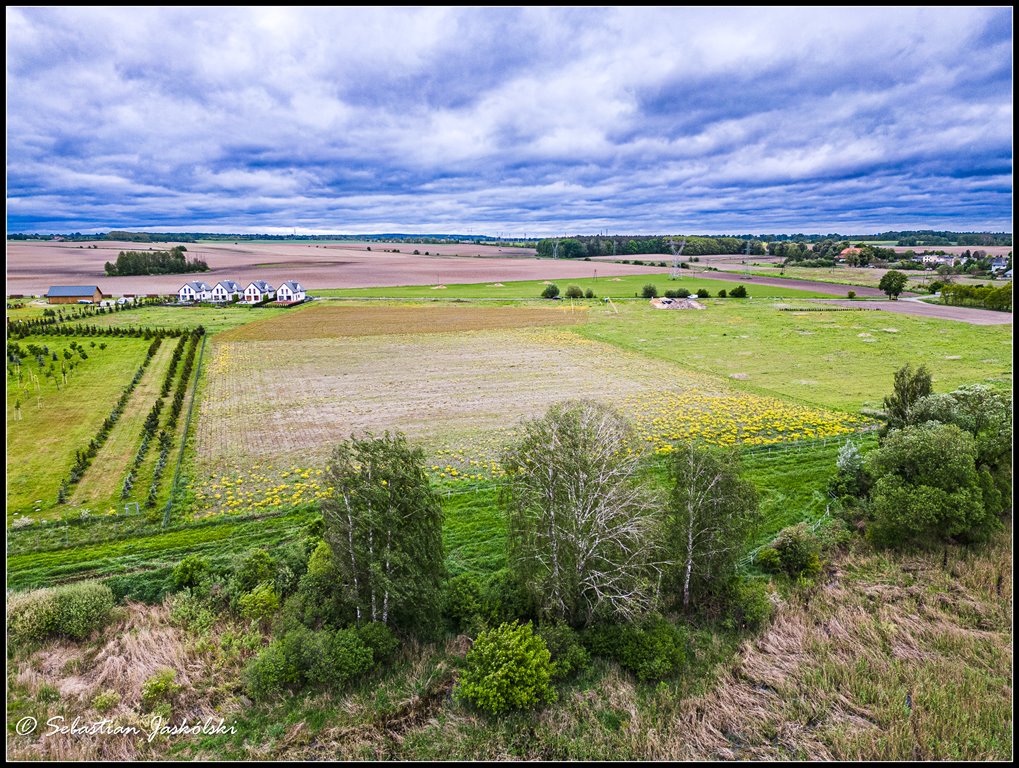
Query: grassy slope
x=841, y=360
x=626, y=286
x=41, y=446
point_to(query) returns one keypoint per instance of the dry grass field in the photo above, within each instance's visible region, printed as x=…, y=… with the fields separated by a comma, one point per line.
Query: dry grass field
x=292, y=399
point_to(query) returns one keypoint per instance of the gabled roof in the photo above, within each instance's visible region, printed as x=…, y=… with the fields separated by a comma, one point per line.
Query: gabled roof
x=293, y=285
x=231, y=286
x=73, y=290
x=197, y=286
x=262, y=286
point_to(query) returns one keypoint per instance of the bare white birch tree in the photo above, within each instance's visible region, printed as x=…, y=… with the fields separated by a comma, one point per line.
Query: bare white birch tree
x=712, y=518
x=582, y=529
x=383, y=523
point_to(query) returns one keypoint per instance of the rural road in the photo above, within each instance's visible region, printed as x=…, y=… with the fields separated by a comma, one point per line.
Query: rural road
x=922, y=309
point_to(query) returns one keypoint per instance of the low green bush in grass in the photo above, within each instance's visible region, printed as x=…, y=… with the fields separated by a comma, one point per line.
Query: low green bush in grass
x=507, y=668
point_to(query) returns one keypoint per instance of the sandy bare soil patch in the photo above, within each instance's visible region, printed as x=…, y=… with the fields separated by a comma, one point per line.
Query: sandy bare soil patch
x=328, y=321
x=34, y=266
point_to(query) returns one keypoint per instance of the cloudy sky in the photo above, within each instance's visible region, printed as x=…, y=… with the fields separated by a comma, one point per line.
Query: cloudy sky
x=512, y=121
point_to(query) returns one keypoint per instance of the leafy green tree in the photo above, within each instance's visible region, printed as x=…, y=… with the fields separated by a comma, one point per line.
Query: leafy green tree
x=574, y=292
x=649, y=291
x=987, y=415
x=893, y=283
x=550, y=291
x=909, y=387
x=383, y=523
x=710, y=520
x=928, y=487
x=739, y=292
x=582, y=532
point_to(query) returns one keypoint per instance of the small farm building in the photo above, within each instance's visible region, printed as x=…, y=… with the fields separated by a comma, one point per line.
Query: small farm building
x=227, y=290
x=194, y=291
x=290, y=291
x=72, y=294
x=258, y=291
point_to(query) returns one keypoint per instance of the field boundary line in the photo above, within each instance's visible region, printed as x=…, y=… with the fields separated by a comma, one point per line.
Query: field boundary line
x=184, y=436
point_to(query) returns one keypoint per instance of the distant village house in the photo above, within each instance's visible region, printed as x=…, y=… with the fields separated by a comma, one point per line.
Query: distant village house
x=290, y=291
x=258, y=291
x=193, y=291
x=227, y=290
x=74, y=294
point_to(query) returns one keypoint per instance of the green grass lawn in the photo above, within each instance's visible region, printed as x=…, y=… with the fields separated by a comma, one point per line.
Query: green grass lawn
x=54, y=422
x=623, y=287
x=842, y=360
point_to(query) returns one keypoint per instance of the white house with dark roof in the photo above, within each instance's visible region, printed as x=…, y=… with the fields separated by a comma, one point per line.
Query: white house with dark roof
x=257, y=291
x=226, y=290
x=196, y=290
x=291, y=290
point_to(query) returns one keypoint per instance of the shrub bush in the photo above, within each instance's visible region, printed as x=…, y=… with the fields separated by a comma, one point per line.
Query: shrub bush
x=303, y=658
x=652, y=651
x=507, y=668
x=31, y=616
x=649, y=291
x=505, y=599
x=704, y=293
x=550, y=292
x=568, y=654
x=190, y=573
x=574, y=292
x=462, y=602
x=260, y=604
x=722, y=294
x=739, y=292
x=82, y=608
x=341, y=657
x=851, y=294
x=799, y=551
x=159, y=689
x=589, y=294
x=682, y=293
x=105, y=701
x=748, y=604
x=768, y=559
x=249, y=570
x=279, y=667
x=380, y=639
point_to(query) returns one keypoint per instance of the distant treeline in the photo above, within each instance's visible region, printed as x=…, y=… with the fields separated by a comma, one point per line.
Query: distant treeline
x=171, y=262
x=584, y=246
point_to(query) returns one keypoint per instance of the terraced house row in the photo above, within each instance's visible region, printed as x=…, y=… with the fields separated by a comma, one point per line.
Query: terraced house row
x=225, y=291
